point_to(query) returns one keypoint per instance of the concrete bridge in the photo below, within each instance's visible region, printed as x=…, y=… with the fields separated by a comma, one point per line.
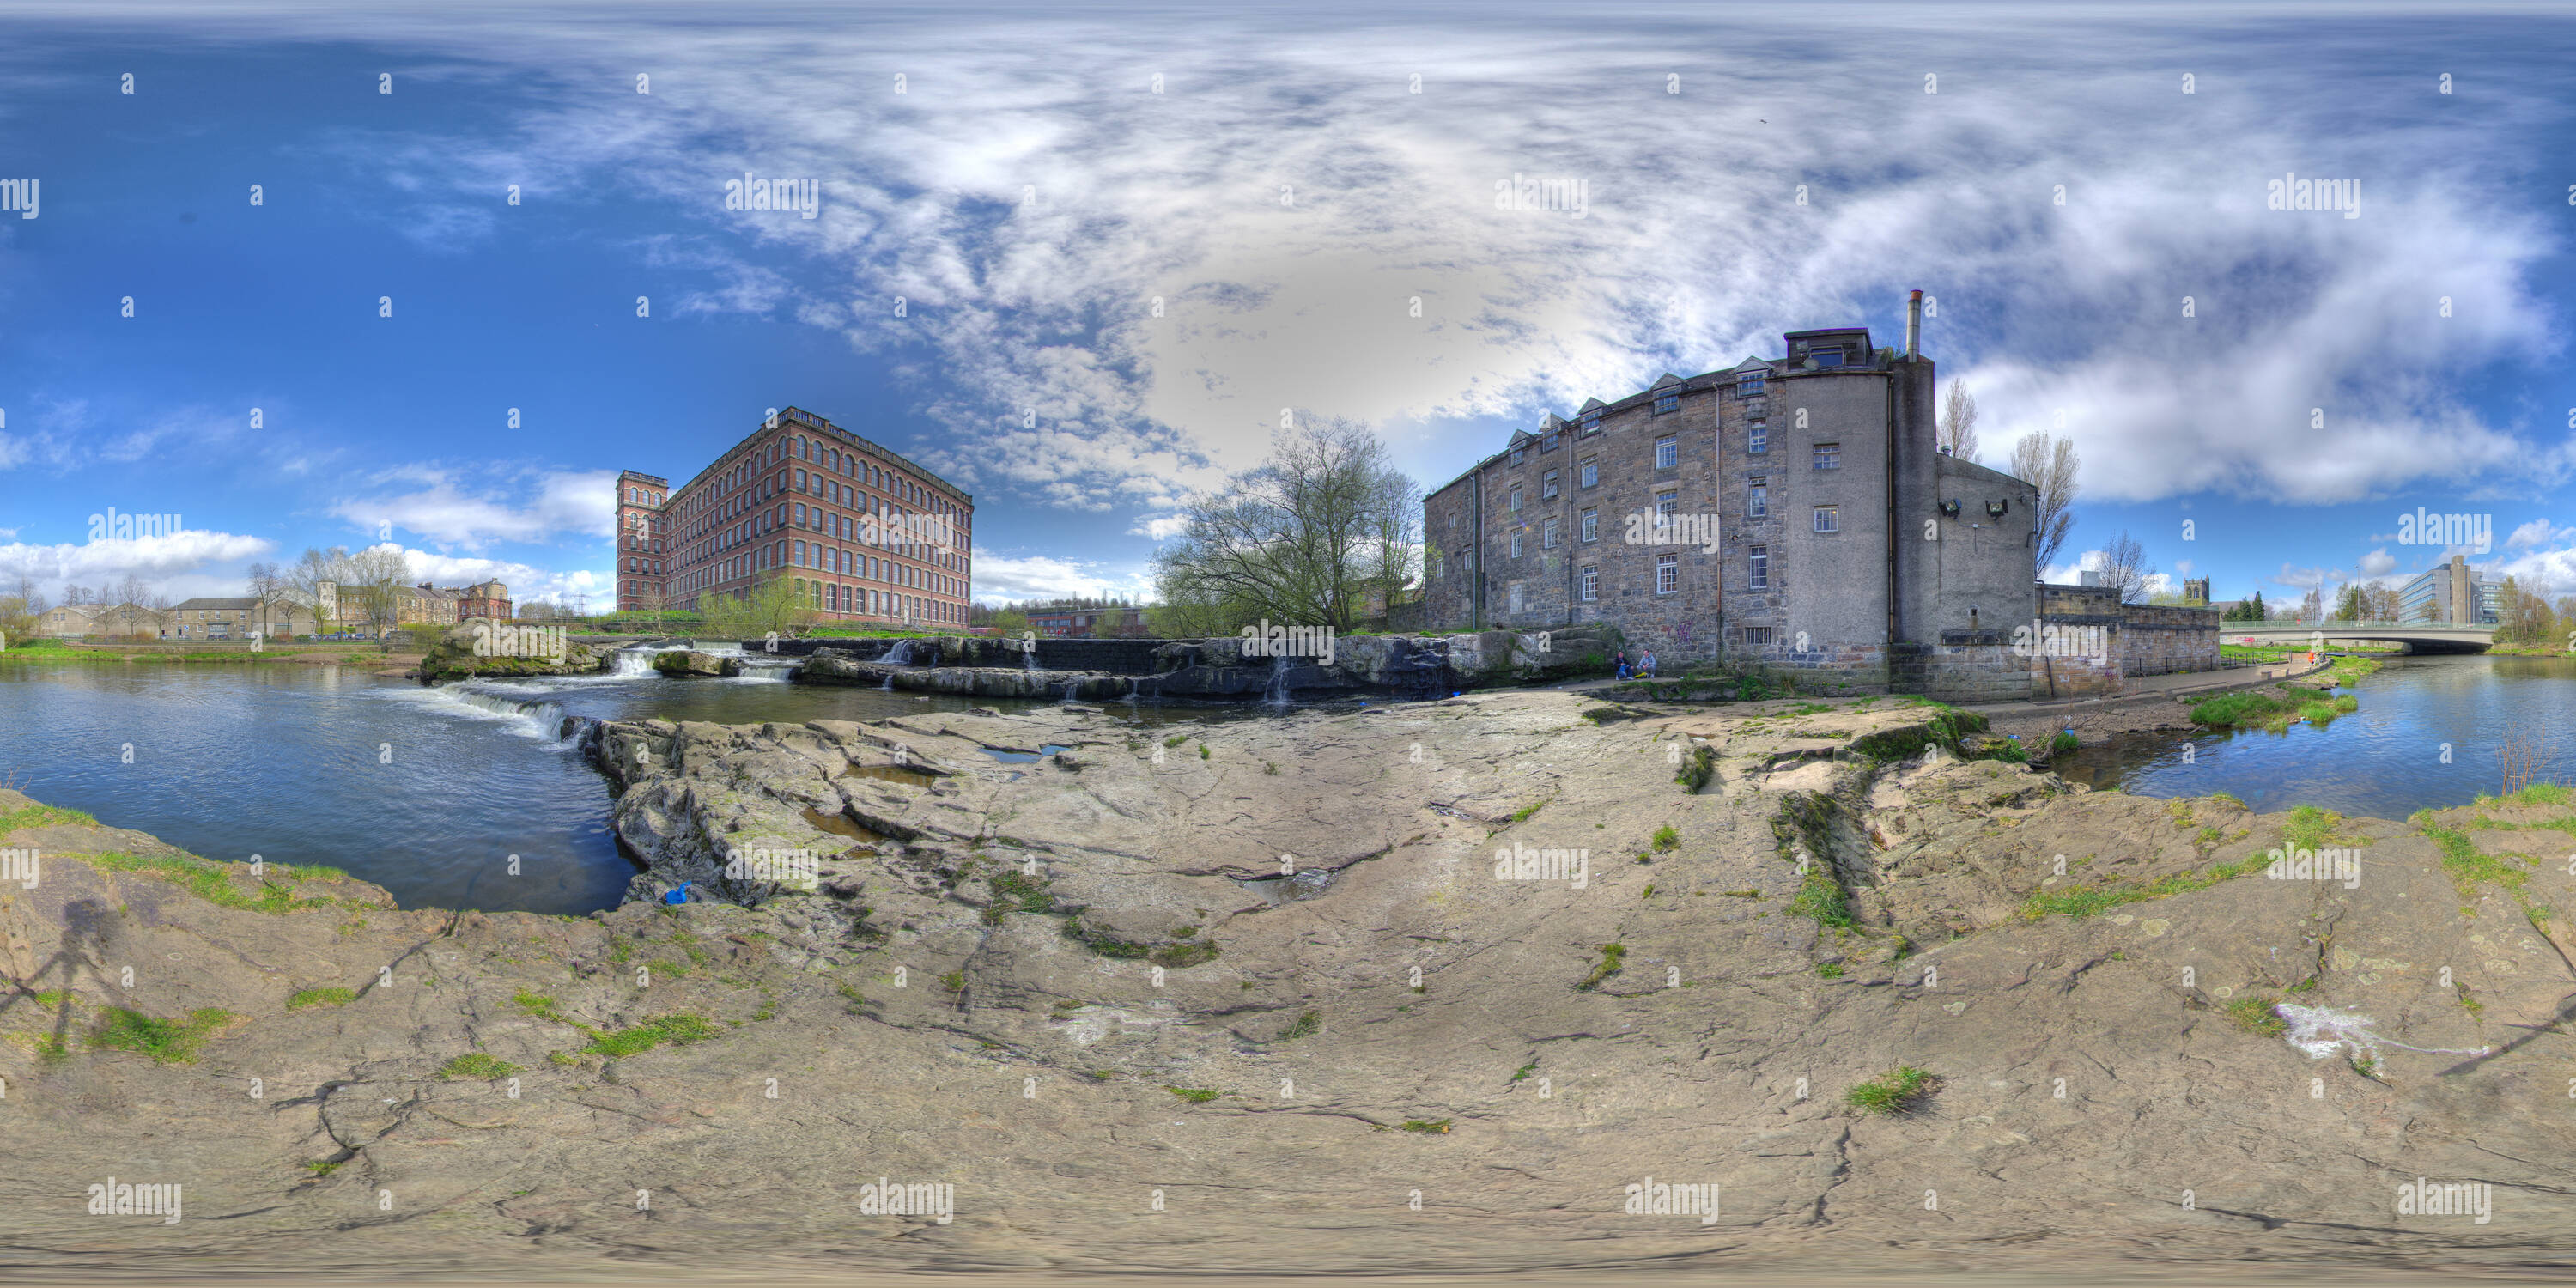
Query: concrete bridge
x=2417, y=637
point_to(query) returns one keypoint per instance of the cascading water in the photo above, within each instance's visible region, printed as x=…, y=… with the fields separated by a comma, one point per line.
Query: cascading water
x=899, y=655
x=545, y=719
x=635, y=659
x=1277, y=694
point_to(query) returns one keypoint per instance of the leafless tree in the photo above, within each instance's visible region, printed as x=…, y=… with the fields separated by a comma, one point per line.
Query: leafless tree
x=1959, y=421
x=1301, y=539
x=2125, y=567
x=268, y=586
x=2049, y=464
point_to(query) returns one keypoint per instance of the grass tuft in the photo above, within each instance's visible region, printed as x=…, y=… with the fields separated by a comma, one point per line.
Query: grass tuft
x=166, y=1041
x=476, y=1064
x=1900, y=1090
x=320, y=997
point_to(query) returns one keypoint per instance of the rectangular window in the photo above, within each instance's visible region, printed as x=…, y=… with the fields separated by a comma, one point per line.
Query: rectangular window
x=1667, y=502
x=1591, y=582
x=1668, y=452
x=1516, y=545
x=1757, y=436
x=1827, y=520
x=1591, y=525
x=1829, y=456
x=1590, y=474
x=1547, y=486
x=1588, y=423
x=1669, y=402
x=1547, y=536
x=1749, y=385
x=1761, y=568
x=1757, y=501
x=1547, y=444
x=1668, y=574
x=1516, y=455
x=1757, y=635
x=1516, y=496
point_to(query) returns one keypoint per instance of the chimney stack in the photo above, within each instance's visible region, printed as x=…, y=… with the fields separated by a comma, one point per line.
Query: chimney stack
x=1914, y=325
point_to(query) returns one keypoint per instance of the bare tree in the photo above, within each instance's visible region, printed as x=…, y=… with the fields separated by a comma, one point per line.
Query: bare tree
x=2125, y=567
x=1959, y=422
x=268, y=586
x=32, y=599
x=2049, y=464
x=381, y=576
x=1301, y=539
x=78, y=594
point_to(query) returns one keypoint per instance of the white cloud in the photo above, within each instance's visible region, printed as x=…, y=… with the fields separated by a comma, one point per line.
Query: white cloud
x=2378, y=563
x=999, y=578
x=158, y=561
x=1161, y=527
x=579, y=504
x=2537, y=532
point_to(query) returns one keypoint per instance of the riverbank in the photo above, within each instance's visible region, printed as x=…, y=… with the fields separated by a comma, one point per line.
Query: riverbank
x=1507, y=954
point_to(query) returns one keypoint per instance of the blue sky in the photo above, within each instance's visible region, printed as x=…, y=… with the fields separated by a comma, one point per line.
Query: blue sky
x=1299, y=179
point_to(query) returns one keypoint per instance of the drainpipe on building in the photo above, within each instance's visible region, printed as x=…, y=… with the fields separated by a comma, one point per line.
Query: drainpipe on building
x=1476, y=552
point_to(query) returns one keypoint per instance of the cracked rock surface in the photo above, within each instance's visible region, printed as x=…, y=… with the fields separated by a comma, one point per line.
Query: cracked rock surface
x=1486, y=953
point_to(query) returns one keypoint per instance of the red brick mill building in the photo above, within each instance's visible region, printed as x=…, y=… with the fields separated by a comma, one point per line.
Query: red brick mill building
x=859, y=532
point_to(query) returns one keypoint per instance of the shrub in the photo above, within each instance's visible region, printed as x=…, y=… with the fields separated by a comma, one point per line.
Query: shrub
x=1898, y=1091
x=2064, y=743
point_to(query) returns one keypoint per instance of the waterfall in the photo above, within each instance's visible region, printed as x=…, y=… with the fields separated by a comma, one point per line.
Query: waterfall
x=899, y=655
x=635, y=659
x=1069, y=688
x=1277, y=694
x=1029, y=660
x=538, y=718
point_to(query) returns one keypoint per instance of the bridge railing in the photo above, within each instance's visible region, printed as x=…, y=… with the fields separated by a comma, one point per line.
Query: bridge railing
x=2347, y=628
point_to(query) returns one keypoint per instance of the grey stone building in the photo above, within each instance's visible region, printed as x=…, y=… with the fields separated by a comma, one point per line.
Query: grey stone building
x=1797, y=512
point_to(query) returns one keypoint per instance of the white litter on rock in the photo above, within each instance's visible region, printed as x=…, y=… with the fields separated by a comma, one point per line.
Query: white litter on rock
x=2322, y=1030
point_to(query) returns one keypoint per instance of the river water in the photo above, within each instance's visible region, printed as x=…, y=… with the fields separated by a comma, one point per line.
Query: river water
x=2427, y=736
x=428, y=792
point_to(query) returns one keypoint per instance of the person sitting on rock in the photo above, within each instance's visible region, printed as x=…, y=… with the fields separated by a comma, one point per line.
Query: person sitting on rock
x=1646, y=665
x=1621, y=657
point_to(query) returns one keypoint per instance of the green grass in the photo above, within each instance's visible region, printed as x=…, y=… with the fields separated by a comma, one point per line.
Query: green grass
x=1440, y=1125
x=1899, y=1090
x=1176, y=740
x=1181, y=956
x=677, y=1030
x=1525, y=1071
x=1307, y=1026
x=1697, y=768
x=1522, y=815
x=1611, y=956
x=213, y=882
x=320, y=997
x=1821, y=898
x=1194, y=1095
x=2086, y=901
x=2254, y=1014
x=1203, y=752
x=2229, y=710
x=477, y=1065
x=1667, y=839
x=42, y=816
x=541, y=1006
x=166, y=1041
x=1830, y=970
x=2470, y=868
x=2063, y=743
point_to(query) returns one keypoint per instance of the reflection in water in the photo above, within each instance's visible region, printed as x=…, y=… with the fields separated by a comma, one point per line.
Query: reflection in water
x=2427, y=736
x=428, y=792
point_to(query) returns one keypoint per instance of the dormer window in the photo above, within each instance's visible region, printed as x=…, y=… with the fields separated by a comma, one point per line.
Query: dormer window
x=1749, y=385
x=1668, y=403
x=1588, y=423
x=1828, y=357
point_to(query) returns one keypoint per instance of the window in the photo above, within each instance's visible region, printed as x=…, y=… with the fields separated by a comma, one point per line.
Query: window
x=1588, y=423
x=1589, y=475
x=1515, y=597
x=1827, y=519
x=1761, y=568
x=1591, y=525
x=1667, y=502
x=1547, y=536
x=1547, y=486
x=1516, y=496
x=1757, y=501
x=1749, y=385
x=1435, y=565
x=1591, y=581
x=1516, y=545
x=1547, y=444
x=1829, y=456
x=1668, y=451
x=1757, y=436
x=1760, y=635
x=1517, y=453
x=1668, y=574
x=1829, y=356
x=1669, y=402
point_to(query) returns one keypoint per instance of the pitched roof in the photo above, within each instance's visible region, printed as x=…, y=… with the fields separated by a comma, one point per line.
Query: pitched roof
x=219, y=604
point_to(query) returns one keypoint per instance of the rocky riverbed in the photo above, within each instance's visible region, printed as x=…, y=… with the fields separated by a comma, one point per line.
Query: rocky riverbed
x=1425, y=987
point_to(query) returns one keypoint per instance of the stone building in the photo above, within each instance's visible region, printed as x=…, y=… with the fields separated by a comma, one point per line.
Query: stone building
x=234, y=618
x=858, y=531
x=1794, y=512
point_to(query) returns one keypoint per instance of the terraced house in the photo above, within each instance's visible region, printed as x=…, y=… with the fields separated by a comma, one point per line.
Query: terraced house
x=1795, y=511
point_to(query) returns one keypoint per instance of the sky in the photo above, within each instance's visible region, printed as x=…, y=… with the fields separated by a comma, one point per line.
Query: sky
x=317, y=275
